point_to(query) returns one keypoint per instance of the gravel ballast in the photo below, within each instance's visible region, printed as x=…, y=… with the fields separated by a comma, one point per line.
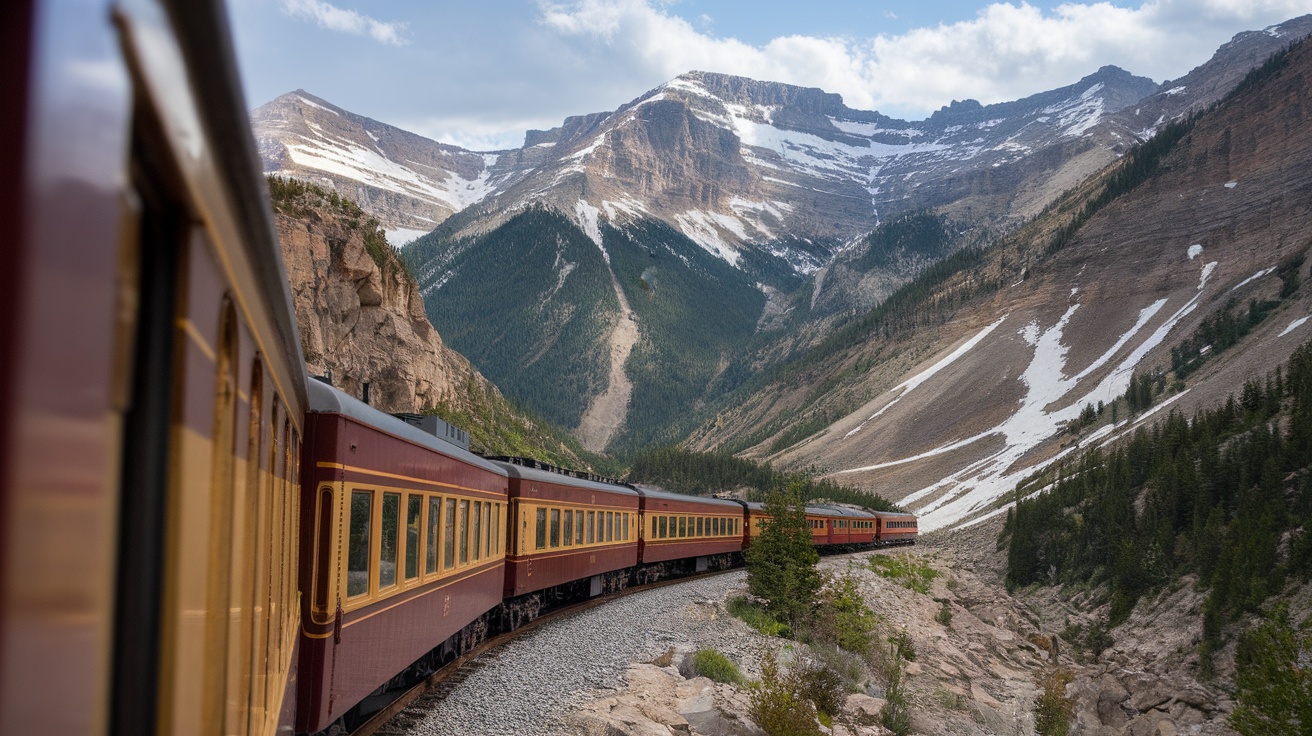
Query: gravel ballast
x=529, y=686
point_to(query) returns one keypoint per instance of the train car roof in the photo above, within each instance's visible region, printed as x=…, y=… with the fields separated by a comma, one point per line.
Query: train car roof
x=828, y=510
x=649, y=492
x=837, y=510
x=564, y=479
x=893, y=513
x=325, y=399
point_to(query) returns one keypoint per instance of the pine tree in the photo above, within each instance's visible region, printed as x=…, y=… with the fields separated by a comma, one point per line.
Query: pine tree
x=781, y=561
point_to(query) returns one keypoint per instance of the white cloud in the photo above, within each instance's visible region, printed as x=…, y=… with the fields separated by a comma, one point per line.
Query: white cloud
x=346, y=21
x=1005, y=52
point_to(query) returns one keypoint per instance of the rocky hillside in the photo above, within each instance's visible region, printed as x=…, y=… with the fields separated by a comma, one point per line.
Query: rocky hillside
x=986, y=369
x=361, y=320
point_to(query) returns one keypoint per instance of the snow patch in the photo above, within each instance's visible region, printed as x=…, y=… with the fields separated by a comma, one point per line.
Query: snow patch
x=703, y=228
x=978, y=486
x=588, y=221
x=316, y=105
x=397, y=237
x=1174, y=91
x=1293, y=326
x=1194, y=251
x=1231, y=184
x=911, y=383
x=1252, y=278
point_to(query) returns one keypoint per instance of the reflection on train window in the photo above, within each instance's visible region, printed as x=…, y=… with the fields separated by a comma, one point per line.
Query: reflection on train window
x=449, y=536
x=555, y=528
x=569, y=527
x=434, y=527
x=487, y=524
x=592, y=537
x=464, y=531
x=414, y=509
x=496, y=526
x=357, y=568
x=387, y=546
x=664, y=527
x=540, y=528
x=683, y=526
x=578, y=528
x=478, y=529
x=610, y=526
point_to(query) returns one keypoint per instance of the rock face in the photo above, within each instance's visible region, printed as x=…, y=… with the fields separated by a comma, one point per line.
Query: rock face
x=364, y=323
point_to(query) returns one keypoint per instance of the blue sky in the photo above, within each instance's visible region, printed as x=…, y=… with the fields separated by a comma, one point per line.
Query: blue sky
x=478, y=73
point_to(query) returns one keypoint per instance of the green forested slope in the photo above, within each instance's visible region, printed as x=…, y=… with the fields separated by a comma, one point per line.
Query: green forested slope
x=1226, y=496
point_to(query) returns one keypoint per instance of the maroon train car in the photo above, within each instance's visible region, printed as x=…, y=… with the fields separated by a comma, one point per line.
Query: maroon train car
x=895, y=529
x=403, y=548
x=703, y=532
x=843, y=525
x=568, y=531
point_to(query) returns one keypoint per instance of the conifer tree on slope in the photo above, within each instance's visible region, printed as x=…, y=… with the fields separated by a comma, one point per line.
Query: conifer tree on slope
x=781, y=561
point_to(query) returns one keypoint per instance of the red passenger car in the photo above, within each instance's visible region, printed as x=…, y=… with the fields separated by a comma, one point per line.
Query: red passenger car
x=569, y=530
x=894, y=529
x=844, y=525
x=705, y=532
x=404, y=549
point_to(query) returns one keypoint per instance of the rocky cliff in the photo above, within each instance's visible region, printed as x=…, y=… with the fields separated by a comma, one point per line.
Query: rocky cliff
x=362, y=322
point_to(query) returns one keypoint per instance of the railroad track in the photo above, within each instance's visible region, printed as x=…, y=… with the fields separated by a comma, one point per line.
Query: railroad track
x=398, y=717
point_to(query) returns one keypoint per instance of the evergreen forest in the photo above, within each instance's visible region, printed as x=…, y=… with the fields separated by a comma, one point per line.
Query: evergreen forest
x=1225, y=496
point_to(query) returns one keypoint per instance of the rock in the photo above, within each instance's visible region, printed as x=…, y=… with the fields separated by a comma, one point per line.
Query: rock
x=865, y=707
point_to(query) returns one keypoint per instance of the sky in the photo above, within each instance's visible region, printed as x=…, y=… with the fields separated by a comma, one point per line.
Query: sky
x=479, y=73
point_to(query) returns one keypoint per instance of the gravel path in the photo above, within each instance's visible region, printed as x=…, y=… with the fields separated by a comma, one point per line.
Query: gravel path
x=529, y=686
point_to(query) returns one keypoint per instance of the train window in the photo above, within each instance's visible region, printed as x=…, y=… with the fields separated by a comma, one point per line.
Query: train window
x=323, y=549
x=434, y=528
x=653, y=527
x=413, y=512
x=487, y=525
x=683, y=526
x=624, y=526
x=555, y=528
x=608, y=532
x=568, y=526
x=388, y=541
x=592, y=537
x=699, y=526
x=578, y=527
x=541, y=535
x=449, y=535
x=464, y=531
x=494, y=531
x=664, y=527
x=357, y=566
x=478, y=529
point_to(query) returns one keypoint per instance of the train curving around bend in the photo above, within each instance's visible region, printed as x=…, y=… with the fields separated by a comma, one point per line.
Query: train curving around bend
x=195, y=538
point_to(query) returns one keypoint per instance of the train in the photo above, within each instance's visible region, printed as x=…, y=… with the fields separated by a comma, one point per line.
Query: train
x=197, y=537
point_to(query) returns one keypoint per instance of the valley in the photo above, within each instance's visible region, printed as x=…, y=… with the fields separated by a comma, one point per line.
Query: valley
x=950, y=314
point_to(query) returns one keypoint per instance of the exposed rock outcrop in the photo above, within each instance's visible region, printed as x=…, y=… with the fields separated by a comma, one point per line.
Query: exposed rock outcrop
x=364, y=323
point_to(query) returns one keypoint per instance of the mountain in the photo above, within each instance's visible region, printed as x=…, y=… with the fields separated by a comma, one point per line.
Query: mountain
x=408, y=182
x=1180, y=270
x=362, y=323
x=737, y=211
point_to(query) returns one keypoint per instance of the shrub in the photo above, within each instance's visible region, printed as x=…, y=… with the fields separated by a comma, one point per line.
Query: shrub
x=711, y=664
x=908, y=571
x=903, y=645
x=756, y=616
x=1053, y=710
x=823, y=686
x=777, y=705
x=944, y=615
x=887, y=662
